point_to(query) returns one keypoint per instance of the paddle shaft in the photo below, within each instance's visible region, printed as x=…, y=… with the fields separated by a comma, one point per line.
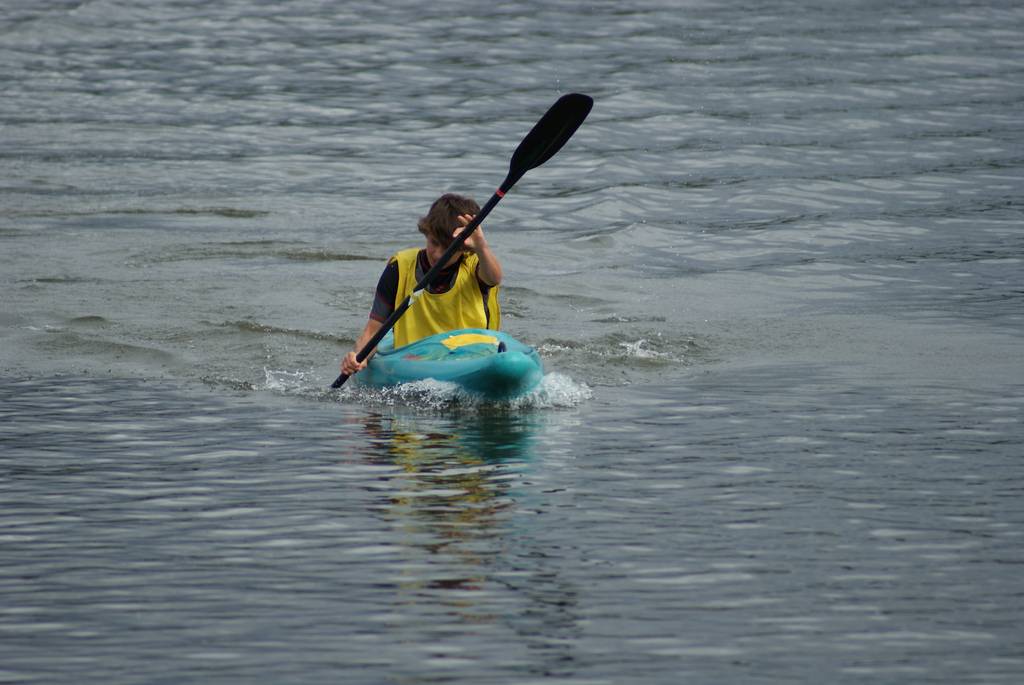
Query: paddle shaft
x=425, y=282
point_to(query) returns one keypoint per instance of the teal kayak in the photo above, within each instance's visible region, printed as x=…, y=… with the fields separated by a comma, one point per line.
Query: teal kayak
x=487, y=364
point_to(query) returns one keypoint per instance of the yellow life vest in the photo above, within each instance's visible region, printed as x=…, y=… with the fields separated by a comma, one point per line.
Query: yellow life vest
x=461, y=307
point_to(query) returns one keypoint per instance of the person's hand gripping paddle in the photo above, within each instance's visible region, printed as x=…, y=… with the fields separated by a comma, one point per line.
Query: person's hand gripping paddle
x=545, y=139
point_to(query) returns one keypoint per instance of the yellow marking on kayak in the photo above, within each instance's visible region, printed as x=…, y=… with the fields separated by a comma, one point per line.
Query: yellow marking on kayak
x=454, y=342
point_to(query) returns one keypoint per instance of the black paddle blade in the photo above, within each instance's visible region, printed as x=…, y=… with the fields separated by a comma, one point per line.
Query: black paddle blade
x=548, y=135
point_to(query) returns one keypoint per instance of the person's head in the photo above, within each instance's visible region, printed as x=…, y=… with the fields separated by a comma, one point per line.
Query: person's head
x=443, y=218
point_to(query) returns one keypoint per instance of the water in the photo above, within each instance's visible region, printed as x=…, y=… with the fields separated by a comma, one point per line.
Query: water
x=775, y=279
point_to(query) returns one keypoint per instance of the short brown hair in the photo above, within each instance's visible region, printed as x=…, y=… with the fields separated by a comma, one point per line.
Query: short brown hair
x=443, y=217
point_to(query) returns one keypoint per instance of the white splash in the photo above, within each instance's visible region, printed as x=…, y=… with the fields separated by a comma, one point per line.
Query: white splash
x=641, y=350
x=555, y=390
x=287, y=382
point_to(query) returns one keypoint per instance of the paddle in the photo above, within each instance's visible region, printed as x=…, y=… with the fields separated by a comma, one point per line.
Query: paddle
x=542, y=142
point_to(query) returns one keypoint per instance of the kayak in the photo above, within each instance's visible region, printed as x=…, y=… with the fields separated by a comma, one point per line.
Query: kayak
x=484, y=363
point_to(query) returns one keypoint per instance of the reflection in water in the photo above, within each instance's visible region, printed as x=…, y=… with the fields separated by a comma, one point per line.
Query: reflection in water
x=472, y=553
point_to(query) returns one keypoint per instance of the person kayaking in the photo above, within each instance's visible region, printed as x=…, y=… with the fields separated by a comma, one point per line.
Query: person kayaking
x=464, y=294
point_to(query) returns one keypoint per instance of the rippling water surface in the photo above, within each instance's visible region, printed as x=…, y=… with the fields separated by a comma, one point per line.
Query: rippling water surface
x=775, y=278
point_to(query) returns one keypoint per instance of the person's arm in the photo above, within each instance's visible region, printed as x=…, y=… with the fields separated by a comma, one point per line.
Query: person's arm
x=383, y=305
x=489, y=269
x=348, y=364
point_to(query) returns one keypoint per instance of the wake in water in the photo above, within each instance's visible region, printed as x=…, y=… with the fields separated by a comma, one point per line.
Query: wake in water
x=556, y=390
